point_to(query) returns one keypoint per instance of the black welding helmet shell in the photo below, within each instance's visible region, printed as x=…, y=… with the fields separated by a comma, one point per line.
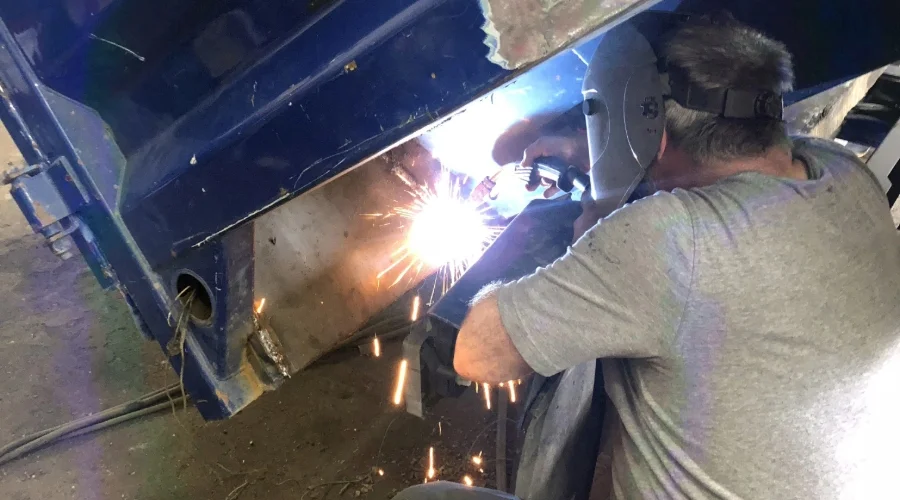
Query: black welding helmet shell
x=625, y=114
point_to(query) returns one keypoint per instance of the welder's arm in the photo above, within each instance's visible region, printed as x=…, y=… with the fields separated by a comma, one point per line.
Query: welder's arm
x=484, y=352
x=620, y=291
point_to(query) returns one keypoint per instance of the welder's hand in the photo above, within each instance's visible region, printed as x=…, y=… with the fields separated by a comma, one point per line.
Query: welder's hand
x=590, y=215
x=573, y=149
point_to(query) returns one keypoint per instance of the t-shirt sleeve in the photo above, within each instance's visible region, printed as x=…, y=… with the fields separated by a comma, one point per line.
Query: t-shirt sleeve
x=833, y=156
x=619, y=291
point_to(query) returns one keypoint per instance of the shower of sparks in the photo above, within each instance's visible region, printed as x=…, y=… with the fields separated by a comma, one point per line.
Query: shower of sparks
x=401, y=382
x=376, y=347
x=512, y=390
x=416, y=304
x=431, y=472
x=487, y=395
x=443, y=231
x=259, y=308
x=467, y=481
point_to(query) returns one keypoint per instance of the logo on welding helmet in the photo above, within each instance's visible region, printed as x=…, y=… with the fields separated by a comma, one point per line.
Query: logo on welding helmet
x=650, y=108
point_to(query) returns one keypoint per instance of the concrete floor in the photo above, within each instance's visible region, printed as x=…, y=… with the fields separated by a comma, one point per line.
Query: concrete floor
x=67, y=349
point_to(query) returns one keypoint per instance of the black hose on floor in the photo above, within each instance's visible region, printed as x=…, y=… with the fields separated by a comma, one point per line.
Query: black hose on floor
x=144, y=405
x=168, y=397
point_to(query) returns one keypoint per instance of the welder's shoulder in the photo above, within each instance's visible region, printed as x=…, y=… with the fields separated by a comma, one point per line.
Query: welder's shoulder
x=802, y=142
x=660, y=213
x=837, y=159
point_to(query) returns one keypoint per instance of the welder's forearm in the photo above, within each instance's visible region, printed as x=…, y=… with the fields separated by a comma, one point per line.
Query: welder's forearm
x=484, y=352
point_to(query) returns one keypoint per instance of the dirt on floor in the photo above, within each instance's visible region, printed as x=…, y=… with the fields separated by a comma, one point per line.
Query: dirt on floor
x=68, y=349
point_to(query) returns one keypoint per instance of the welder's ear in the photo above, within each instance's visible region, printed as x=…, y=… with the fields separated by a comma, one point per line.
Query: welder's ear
x=662, y=145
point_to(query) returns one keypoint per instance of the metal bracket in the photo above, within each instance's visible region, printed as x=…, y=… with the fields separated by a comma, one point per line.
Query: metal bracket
x=429, y=350
x=49, y=194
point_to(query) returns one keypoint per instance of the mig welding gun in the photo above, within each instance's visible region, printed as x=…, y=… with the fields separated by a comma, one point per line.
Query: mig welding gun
x=568, y=178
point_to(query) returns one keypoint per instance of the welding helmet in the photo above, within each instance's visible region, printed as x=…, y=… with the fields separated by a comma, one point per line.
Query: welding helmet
x=624, y=111
x=624, y=90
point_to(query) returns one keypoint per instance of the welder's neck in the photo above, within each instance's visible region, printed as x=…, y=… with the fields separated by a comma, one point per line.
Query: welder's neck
x=676, y=169
x=776, y=162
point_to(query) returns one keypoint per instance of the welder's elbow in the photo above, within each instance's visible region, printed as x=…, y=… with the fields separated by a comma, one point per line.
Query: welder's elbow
x=462, y=364
x=484, y=351
x=465, y=358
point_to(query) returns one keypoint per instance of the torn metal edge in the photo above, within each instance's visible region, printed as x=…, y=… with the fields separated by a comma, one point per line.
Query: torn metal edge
x=494, y=38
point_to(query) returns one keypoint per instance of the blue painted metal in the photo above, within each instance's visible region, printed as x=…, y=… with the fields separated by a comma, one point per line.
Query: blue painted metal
x=376, y=65
x=53, y=131
x=177, y=147
x=48, y=195
x=174, y=132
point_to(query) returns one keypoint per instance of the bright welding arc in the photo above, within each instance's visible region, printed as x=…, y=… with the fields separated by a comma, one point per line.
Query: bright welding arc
x=446, y=232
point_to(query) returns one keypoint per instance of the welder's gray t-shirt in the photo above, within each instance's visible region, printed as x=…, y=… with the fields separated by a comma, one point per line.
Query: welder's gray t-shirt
x=751, y=328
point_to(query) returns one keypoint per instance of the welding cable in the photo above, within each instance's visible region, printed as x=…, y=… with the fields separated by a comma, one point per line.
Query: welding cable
x=113, y=412
x=391, y=324
x=144, y=405
x=392, y=334
x=58, y=436
x=126, y=417
x=92, y=421
x=383, y=336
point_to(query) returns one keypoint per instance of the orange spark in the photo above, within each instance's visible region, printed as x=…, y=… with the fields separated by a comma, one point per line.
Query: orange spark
x=259, y=308
x=512, y=391
x=380, y=472
x=487, y=395
x=414, y=314
x=401, y=382
x=399, y=260
x=431, y=472
x=376, y=347
x=476, y=459
x=467, y=480
x=403, y=273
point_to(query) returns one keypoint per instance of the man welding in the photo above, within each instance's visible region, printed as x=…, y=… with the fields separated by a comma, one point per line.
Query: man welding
x=745, y=315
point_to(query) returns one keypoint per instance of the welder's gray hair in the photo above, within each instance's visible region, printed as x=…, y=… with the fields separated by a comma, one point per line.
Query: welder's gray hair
x=726, y=54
